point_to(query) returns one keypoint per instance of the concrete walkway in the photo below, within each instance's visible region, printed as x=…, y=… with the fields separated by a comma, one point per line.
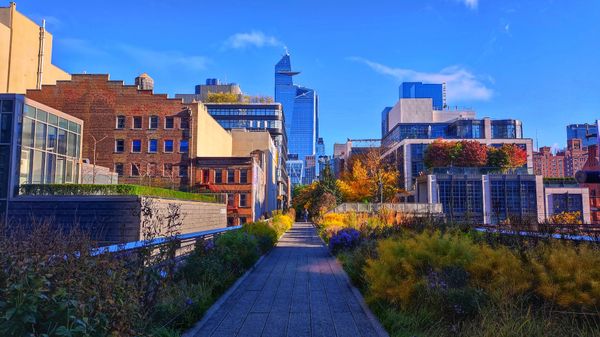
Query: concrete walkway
x=298, y=289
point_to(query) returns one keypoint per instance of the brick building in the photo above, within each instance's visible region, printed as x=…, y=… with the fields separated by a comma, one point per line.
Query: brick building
x=575, y=157
x=547, y=164
x=144, y=137
x=591, y=167
x=239, y=177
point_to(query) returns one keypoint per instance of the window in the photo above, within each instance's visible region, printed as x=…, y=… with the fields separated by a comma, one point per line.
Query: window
x=5, y=127
x=151, y=170
x=184, y=123
x=121, y=122
x=242, y=220
x=137, y=122
x=168, y=145
x=230, y=221
x=230, y=176
x=205, y=176
x=152, y=145
x=169, y=122
x=135, y=170
x=168, y=170
x=243, y=176
x=183, y=146
x=153, y=122
x=183, y=171
x=230, y=199
x=243, y=200
x=119, y=169
x=119, y=145
x=136, y=146
x=218, y=176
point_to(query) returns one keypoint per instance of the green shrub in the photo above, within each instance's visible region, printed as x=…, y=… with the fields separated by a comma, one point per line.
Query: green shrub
x=237, y=250
x=282, y=222
x=265, y=235
x=121, y=189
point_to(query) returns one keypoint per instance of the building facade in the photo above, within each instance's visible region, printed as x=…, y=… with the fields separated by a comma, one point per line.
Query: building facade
x=38, y=145
x=484, y=198
x=25, y=53
x=547, y=164
x=142, y=136
x=301, y=110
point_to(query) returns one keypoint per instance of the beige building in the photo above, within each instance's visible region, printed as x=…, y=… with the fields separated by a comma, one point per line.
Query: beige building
x=25, y=53
x=211, y=140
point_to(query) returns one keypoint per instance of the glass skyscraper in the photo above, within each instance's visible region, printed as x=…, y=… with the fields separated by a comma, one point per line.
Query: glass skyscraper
x=588, y=133
x=300, y=107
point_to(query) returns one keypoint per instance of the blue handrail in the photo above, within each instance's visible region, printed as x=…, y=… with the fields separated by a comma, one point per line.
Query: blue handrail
x=159, y=241
x=572, y=237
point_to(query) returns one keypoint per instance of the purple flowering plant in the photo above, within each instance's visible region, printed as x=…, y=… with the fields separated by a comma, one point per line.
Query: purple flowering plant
x=345, y=238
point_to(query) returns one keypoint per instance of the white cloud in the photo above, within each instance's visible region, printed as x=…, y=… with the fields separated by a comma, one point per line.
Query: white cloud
x=507, y=28
x=251, y=39
x=164, y=59
x=462, y=85
x=472, y=4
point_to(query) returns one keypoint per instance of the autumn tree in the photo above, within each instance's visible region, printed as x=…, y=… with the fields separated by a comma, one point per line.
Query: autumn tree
x=370, y=179
x=566, y=218
x=472, y=154
x=506, y=156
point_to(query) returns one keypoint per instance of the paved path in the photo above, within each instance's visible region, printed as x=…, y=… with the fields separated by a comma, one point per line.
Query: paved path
x=297, y=290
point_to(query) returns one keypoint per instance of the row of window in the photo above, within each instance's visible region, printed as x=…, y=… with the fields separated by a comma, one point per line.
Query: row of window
x=153, y=122
x=136, y=146
x=243, y=112
x=152, y=170
x=225, y=176
x=242, y=200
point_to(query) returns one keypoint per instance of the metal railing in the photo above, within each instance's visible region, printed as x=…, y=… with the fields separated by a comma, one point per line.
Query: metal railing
x=413, y=208
x=184, y=240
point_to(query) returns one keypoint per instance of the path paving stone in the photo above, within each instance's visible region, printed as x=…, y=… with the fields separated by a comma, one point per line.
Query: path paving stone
x=298, y=289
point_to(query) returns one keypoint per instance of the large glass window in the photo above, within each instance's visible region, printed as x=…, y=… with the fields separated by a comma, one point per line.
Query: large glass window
x=137, y=122
x=169, y=122
x=59, y=176
x=119, y=169
x=168, y=145
x=183, y=146
x=119, y=145
x=243, y=176
x=218, y=176
x=37, y=167
x=5, y=127
x=153, y=145
x=62, y=141
x=52, y=143
x=153, y=122
x=28, y=132
x=230, y=176
x=136, y=146
x=73, y=144
x=50, y=168
x=243, y=200
x=183, y=170
x=25, y=166
x=40, y=135
x=120, y=122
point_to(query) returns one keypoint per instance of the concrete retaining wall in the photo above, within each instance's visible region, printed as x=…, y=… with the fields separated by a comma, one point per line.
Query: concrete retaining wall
x=113, y=219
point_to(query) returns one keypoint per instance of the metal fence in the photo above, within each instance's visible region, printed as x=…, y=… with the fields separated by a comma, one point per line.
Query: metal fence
x=413, y=208
x=186, y=242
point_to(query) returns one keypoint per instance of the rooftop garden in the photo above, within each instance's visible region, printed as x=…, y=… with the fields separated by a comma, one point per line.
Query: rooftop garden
x=121, y=189
x=235, y=98
x=466, y=153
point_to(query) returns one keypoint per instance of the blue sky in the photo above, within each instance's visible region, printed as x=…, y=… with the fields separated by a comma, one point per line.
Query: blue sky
x=538, y=61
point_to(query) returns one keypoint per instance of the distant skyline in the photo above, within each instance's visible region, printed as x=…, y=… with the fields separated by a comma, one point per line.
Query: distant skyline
x=534, y=61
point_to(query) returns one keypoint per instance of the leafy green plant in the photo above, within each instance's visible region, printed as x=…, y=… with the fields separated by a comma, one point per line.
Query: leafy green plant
x=265, y=235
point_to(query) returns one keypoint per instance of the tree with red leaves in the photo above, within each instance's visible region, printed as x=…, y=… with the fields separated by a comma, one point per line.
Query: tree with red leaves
x=438, y=154
x=472, y=154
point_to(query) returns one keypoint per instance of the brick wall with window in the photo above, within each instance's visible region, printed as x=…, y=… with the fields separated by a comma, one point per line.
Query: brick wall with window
x=232, y=176
x=147, y=129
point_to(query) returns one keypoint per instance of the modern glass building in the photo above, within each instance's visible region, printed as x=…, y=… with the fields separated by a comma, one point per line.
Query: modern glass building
x=38, y=145
x=484, y=198
x=588, y=133
x=300, y=106
x=424, y=90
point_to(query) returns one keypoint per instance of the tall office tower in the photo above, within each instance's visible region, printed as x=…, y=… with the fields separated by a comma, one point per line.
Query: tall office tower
x=424, y=90
x=588, y=133
x=300, y=107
